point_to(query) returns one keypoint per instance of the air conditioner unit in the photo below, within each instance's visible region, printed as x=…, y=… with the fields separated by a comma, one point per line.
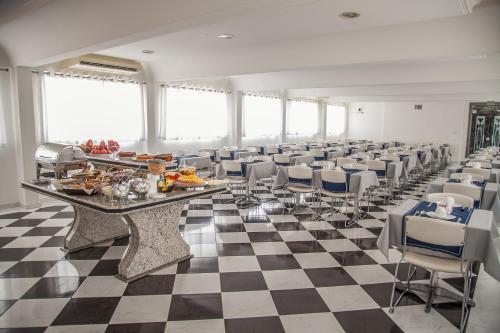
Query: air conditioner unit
x=100, y=63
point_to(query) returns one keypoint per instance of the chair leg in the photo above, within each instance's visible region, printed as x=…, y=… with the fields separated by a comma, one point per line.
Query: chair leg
x=465, y=310
x=428, y=305
x=391, y=304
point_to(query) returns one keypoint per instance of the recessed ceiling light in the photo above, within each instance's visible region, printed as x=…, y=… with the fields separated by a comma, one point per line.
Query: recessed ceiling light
x=148, y=51
x=349, y=15
x=225, y=36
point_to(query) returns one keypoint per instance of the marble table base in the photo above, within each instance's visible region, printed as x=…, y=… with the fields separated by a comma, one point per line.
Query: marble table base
x=155, y=241
x=91, y=227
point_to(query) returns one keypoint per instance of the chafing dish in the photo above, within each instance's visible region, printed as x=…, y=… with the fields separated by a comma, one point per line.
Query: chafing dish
x=58, y=159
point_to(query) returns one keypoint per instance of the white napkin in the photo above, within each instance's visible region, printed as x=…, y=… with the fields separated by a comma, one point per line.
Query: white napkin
x=450, y=202
x=440, y=211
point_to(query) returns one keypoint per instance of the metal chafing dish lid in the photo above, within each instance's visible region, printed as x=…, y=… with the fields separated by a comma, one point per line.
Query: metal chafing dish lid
x=57, y=152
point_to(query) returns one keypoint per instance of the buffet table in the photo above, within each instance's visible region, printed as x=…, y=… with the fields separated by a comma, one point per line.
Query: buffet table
x=153, y=226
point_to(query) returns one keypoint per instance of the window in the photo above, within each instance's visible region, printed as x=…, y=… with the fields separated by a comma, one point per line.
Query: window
x=4, y=99
x=261, y=116
x=76, y=109
x=192, y=114
x=302, y=118
x=335, y=119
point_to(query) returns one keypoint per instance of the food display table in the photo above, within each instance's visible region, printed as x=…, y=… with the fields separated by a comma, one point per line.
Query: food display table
x=114, y=161
x=153, y=226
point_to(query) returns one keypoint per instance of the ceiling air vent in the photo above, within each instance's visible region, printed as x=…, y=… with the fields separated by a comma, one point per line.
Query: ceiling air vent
x=418, y=106
x=99, y=63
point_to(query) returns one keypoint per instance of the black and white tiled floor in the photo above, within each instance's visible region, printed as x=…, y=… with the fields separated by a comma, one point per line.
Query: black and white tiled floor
x=254, y=270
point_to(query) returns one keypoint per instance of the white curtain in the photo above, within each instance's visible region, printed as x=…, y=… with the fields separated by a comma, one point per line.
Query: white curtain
x=192, y=114
x=302, y=117
x=261, y=116
x=4, y=104
x=335, y=119
x=76, y=109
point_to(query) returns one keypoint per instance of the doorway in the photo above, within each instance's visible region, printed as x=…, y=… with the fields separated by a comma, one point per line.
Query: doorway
x=484, y=126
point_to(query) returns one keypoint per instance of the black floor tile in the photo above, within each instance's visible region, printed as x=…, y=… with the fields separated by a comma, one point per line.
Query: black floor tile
x=200, y=207
x=124, y=241
x=326, y=234
x=227, y=212
x=106, y=267
x=364, y=321
x=421, y=274
x=198, y=265
x=288, y=226
x=305, y=247
x=6, y=240
x=381, y=293
x=329, y=277
x=451, y=311
x=54, y=287
x=254, y=325
x=366, y=243
x=255, y=219
x=16, y=215
x=136, y=328
x=43, y=231
x=199, y=219
x=235, y=249
x=14, y=254
x=229, y=227
x=298, y=301
x=56, y=241
x=26, y=223
x=151, y=285
x=51, y=209
x=271, y=236
x=277, y=262
x=92, y=310
x=63, y=215
x=5, y=305
x=23, y=330
x=29, y=269
x=92, y=253
x=242, y=281
x=195, y=306
x=353, y=258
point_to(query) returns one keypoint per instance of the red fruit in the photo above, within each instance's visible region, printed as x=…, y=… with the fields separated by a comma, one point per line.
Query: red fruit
x=90, y=143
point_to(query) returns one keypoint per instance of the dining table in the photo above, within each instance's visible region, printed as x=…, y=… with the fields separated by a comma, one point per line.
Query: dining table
x=494, y=175
x=152, y=224
x=253, y=171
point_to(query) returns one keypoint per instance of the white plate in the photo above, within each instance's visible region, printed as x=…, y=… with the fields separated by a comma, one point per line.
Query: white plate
x=447, y=217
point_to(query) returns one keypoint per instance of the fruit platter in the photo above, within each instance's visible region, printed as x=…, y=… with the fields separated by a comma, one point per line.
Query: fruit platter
x=102, y=148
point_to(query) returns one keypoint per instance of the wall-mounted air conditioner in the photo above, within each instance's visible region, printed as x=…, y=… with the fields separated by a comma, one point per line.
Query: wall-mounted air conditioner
x=100, y=63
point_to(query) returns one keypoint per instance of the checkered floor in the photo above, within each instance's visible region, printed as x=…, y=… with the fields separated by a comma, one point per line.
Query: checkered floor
x=254, y=270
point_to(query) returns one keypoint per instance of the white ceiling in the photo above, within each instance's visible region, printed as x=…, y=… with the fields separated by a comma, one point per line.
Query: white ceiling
x=287, y=21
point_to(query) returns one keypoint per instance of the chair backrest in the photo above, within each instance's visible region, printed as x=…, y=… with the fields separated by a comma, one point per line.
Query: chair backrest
x=232, y=168
x=300, y=172
x=459, y=199
x=253, y=149
x=434, y=232
x=224, y=154
x=485, y=173
x=375, y=165
x=471, y=191
x=359, y=166
x=390, y=157
x=345, y=160
x=301, y=146
x=317, y=153
x=281, y=159
x=484, y=156
x=264, y=158
x=334, y=180
x=204, y=153
x=462, y=175
x=272, y=150
x=485, y=165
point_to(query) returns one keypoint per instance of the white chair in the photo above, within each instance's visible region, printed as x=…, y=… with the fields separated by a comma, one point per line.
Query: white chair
x=334, y=185
x=426, y=232
x=459, y=199
x=281, y=160
x=271, y=150
x=224, y=154
x=462, y=175
x=318, y=154
x=341, y=161
x=485, y=173
x=484, y=165
x=471, y=191
x=300, y=181
x=234, y=173
x=394, y=158
x=264, y=158
x=380, y=169
x=359, y=166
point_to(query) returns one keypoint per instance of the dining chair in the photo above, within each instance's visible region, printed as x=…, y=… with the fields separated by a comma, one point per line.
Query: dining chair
x=272, y=149
x=462, y=175
x=462, y=200
x=318, y=154
x=380, y=169
x=436, y=236
x=281, y=160
x=224, y=154
x=234, y=173
x=485, y=173
x=334, y=185
x=469, y=190
x=359, y=166
x=341, y=161
x=300, y=181
x=484, y=165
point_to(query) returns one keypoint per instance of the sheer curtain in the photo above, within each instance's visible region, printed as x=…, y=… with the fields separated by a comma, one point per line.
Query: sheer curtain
x=76, y=109
x=302, y=117
x=335, y=119
x=4, y=102
x=261, y=116
x=191, y=114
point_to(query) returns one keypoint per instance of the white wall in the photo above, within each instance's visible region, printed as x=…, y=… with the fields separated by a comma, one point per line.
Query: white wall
x=438, y=121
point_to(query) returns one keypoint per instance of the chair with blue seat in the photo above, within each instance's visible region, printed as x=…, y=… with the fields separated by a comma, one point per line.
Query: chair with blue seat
x=469, y=190
x=224, y=154
x=380, y=168
x=300, y=181
x=462, y=175
x=281, y=160
x=271, y=150
x=341, y=161
x=318, y=154
x=485, y=173
x=334, y=184
x=235, y=176
x=462, y=200
x=438, y=238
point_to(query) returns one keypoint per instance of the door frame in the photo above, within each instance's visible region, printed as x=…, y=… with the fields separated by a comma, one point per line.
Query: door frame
x=488, y=106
